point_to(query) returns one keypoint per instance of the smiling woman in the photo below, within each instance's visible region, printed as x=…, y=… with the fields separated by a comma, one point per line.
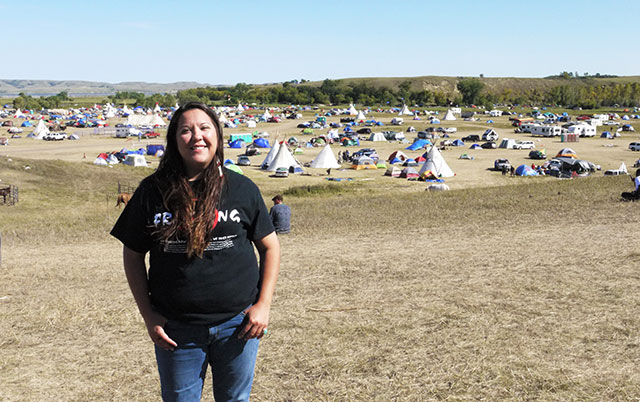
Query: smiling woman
x=206, y=298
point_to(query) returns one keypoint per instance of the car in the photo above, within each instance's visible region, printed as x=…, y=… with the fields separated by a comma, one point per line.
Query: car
x=450, y=130
x=525, y=145
x=489, y=145
x=281, y=172
x=364, y=130
x=151, y=134
x=634, y=146
x=536, y=154
x=273, y=119
x=500, y=164
x=471, y=138
x=611, y=123
x=490, y=135
x=243, y=161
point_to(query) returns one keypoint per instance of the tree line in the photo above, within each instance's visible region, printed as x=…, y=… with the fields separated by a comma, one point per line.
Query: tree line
x=470, y=91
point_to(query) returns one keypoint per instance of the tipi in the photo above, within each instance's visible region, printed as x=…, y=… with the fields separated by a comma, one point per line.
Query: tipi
x=449, y=115
x=325, y=159
x=436, y=164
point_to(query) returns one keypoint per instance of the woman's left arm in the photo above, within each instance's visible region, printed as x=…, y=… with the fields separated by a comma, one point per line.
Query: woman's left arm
x=257, y=316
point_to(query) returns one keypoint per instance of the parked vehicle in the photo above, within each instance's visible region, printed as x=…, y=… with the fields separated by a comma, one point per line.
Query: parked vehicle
x=500, y=164
x=243, y=161
x=634, y=146
x=471, y=138
x=489, y=145
x=490, y=135
x=525, y=145
x=281, y=172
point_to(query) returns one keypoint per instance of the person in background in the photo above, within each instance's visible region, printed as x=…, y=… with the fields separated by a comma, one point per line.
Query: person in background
x=280, y=215
x=635, y=194
x=205, y=299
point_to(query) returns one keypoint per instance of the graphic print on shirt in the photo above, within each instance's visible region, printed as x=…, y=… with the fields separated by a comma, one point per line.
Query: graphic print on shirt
x=216, y=243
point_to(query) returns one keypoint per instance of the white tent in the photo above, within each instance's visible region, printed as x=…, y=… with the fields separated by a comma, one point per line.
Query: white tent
x=18, y=114
x=352, y=110
x=157, y=109
x=135, y=160
x=436, y=163
x=405, y=111
x=377, y=137
x=284, y=159
x=449, y=115
x=41, y=130
x=266, y=115
x=240, y=109
x=126, y=110
x=271, y=155
x=325, y=159
x=251, y=123
x=222, y=118
x=361, y=116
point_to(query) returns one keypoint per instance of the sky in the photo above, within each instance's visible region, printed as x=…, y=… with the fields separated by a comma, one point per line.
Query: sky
x=227, y=42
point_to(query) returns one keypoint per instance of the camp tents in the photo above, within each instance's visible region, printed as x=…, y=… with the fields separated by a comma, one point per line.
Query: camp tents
x=284, y=159
x=377, y=137
x=409, y=173
x=325, y=159
x=449, y=115
x=271, y=156
x=363, y=162
x=436, y=163
x=393, y=171
x=525, y=170
x=397, y=156
x=405, y=111
x=567, y=153
x=41, y=130
x=135, y=160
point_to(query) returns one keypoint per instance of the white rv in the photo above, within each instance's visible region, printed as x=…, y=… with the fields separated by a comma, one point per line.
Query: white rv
x=545, y=131
x=583, y=130
x=526, y=127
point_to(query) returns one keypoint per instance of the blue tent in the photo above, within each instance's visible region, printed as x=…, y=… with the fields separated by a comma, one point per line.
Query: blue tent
x=606, y=134
x=153, y=149
x=489, y=121
x=236, y=144
x=435, y=121
x=26, y=123
x=228, y=162
x=475, y=146
x=525, y=170
x=261, y=143
x=457, y=143
x=418, y=144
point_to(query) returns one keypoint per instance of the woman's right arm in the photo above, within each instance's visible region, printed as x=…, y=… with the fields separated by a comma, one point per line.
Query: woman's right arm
x=136, y=272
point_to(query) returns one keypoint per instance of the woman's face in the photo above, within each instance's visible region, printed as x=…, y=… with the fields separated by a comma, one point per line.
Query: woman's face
x=197, y=140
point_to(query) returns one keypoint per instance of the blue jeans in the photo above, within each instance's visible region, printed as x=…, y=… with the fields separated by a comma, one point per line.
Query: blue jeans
x=232, y=360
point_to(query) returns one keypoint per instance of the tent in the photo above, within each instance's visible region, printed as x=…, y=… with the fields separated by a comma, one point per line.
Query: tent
x=409, y=173
x=399, y=155
x=284, y=159
x=418, y=144
x=525, y=170
x=154, y=149
x=393, y=171
x=457, y=143
x=475, y=146
x=26, y=123
x=261, y=143
x=237, y=144
x=361, y=116
x=567, y=153
x=606, y=134
x=41, y=130
x=352, y=110
x=325, y=159
x=251, y=123
x=405, y=111
x=100, y=161
x=271, y=156
x=135, y=160
x=377, y=137
x=436, y=163
x=449, y=115
x=507, y=143
x=363, y=162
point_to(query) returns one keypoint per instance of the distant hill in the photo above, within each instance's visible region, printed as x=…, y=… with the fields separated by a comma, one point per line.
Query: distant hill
x=11, y=88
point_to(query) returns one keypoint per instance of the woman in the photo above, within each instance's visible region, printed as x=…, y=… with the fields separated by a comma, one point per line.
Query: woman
x=206, y=300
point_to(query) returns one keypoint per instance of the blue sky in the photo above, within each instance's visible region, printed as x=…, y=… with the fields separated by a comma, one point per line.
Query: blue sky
x=226, y=42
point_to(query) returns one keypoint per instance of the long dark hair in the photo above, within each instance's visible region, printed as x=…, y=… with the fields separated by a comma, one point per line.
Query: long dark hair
x=193, y=205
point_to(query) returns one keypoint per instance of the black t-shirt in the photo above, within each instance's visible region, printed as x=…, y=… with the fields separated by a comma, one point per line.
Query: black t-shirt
x=224, y=281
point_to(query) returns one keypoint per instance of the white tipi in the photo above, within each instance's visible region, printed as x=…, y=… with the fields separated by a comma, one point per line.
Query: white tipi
x=405, y=111
x=41, y=130
x=361, y=116
x=352, y=110
x=283, y=159
x=436, y=163
x=271, y=155
x=325, y=159
x=449, y=115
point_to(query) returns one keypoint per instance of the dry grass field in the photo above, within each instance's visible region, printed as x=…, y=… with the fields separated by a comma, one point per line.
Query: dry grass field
x=502, y=289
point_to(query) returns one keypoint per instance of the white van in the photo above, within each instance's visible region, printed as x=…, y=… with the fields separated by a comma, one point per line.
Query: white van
x=546, y=131
x=525, y=145
x=634, y=146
